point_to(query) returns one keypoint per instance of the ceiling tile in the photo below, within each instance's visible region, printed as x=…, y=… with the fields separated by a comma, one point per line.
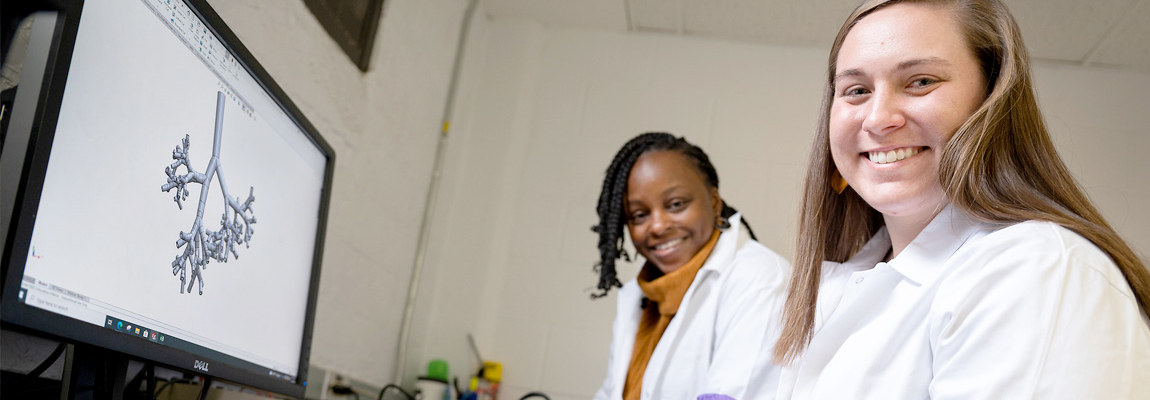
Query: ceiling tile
x=608, y=15
x=780, y=22
x=1066, y=29
x=1129, y=47
x=655, y=15
x=1060, y=30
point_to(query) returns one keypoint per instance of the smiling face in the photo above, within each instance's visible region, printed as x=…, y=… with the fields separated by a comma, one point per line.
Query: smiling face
x=905, y=80
x=671, y=211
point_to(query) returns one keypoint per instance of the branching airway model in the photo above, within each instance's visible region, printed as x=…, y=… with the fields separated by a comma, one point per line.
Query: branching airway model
x=236, y=222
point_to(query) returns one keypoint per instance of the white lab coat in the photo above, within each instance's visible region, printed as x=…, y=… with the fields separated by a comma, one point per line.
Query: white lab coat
x=970, y=311
x=721, y=338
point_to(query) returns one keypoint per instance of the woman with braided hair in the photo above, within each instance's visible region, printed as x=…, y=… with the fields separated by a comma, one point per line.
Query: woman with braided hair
x=697, y=318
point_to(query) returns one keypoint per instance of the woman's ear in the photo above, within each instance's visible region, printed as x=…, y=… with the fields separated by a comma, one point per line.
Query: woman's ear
x=718, y=202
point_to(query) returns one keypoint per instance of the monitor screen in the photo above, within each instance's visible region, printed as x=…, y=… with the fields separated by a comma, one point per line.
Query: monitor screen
x=182, y=202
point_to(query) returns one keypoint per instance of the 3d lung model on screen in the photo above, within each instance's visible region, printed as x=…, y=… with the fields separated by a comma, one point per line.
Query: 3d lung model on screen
x=202, y=245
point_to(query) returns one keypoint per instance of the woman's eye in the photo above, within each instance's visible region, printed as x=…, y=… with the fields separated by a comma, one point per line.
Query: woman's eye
x=637, y=216
x=676, y=204
x=855, y=91
x=923, y=82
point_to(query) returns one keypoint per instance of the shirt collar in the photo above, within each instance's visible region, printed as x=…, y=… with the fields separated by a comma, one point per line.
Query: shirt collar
x=923, y=259
x=870, y=255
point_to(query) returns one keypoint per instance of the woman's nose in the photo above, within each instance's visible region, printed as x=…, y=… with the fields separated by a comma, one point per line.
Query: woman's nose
x=660, y=222
x=885, y=114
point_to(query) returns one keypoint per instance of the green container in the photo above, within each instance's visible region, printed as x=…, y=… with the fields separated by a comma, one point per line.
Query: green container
x=437, y=369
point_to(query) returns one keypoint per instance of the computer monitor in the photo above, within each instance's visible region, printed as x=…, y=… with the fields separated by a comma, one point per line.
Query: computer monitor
x=172, y=202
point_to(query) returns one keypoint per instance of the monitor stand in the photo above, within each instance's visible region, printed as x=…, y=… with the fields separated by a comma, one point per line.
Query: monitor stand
x=92, y=373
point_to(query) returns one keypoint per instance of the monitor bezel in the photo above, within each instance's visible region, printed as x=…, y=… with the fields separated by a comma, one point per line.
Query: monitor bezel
x=17, y=316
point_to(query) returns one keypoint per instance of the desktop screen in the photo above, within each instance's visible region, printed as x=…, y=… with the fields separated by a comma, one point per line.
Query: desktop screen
x=181, y=203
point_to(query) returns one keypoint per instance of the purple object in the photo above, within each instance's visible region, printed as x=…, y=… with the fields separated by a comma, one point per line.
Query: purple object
x=712, y=396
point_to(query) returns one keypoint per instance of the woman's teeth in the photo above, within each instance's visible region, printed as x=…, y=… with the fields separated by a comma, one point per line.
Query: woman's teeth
x=887, y=157
x=668, y=245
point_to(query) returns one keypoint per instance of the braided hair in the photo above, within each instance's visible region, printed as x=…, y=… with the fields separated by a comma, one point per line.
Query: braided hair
x=612, y=216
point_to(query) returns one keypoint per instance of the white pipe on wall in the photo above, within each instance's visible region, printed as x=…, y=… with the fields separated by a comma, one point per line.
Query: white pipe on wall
x=432, y=193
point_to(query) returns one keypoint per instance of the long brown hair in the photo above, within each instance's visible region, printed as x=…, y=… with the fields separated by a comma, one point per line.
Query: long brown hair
x=1000, y=167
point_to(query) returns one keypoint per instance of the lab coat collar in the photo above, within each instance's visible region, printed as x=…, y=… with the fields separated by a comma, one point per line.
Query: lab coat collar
x=720, y=256
x=924, y=258
x=866, y=258
x=724, y=250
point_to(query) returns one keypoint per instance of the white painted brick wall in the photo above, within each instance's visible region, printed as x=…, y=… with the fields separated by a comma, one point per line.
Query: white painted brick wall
x=383, y=125
x=1099, y=123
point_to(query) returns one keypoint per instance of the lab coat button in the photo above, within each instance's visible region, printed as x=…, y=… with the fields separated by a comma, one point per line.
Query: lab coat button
x=859, y=279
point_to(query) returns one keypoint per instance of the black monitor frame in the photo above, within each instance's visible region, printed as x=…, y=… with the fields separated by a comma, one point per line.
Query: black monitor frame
x=17, y=316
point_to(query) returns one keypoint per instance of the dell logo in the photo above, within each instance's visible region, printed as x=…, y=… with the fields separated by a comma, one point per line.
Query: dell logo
x=201, y=365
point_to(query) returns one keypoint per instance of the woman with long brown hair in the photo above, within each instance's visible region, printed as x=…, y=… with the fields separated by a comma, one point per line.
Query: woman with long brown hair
x=945, y=251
